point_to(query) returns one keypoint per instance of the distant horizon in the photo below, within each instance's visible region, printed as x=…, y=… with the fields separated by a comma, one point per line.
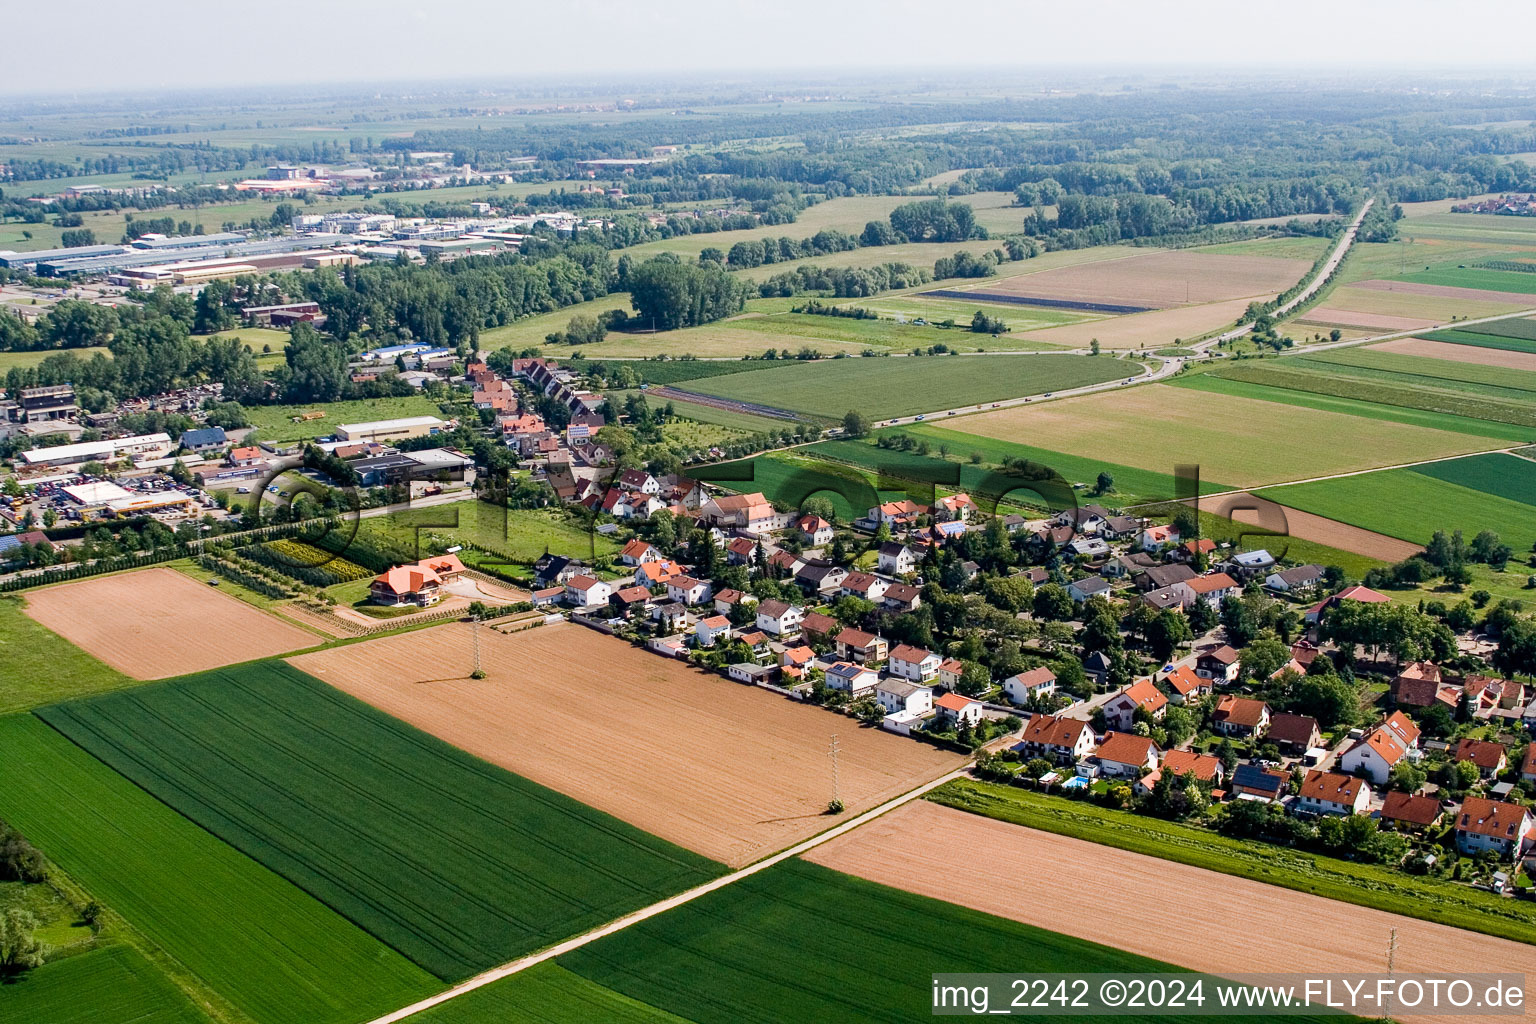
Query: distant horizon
x=484, y=44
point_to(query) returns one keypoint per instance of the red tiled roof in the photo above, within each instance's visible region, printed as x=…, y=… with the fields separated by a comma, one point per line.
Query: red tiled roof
x=1125, y=748
x=1331, y=786
x=1416, y=810
x=1491, y=818
x=908, y=653
x=1180, y=761
x=954, y=702
x=1048, y=730
x=1184, y=681
x=1483, y=753
x=1240, y=711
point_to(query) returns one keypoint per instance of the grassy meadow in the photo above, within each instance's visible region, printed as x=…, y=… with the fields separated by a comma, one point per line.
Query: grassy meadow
x=111, y=985
x=42, y=667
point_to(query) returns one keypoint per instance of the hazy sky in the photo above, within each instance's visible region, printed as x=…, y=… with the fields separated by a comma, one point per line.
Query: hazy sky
x=92, y=45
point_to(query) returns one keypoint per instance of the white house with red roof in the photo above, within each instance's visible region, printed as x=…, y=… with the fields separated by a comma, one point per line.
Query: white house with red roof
x=406, y=584
x=1483, y=824
x=1153, y=538
x=1332, y=793
x=1213, y=588
x=814, y=530
x=1379, y=751
x=638, y=552
x=712, y=629
x=1355, y=593
x=688, y=590
x=863, y=585
x=1120, y=710
x=779, y=617
x=1185, y=684
x=957, y=710
x=1059, y=739
x=1240, y=716
x=913, y=663
x=1125, y=755
x=1203, y=767
x=584, y=591
x=1037, y=682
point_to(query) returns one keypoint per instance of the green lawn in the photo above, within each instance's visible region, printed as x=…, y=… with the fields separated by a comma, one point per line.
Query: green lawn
x=800, y=942
x=455, y=863
x=275, y=422
x=521, y=534
x=1412, y=505
x=903, y=386
x=1366, y=885
x=42, y=667
x=30, y=359
x=111, y=985
x=1245, y=380
x=276, y=953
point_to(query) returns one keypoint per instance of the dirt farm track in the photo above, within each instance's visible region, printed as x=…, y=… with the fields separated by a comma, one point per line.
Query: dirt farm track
x=726, y=770
x=1144, y=905
x=157, y=623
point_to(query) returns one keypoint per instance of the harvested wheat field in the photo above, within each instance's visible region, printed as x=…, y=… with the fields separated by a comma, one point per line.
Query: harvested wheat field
x=1147, y=330
x=1158, y=279
x=1331, y=316
x=157, y=623
x=726, y=770
x=1241, y=441
x=1059, y=883
x=1460, y=353
x=1438, y=309
x=1247, y=508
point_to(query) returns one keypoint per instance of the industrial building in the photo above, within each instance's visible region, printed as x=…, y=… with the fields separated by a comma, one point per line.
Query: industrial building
x=97, y=451
x=390, y=430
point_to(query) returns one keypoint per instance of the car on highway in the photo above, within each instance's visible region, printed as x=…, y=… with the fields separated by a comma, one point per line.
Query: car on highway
x=921, y=417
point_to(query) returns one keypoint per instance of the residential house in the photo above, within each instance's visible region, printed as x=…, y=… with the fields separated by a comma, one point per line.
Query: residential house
x=1486, y=824
x=547, y=596
x=1063, y=740
x=1124, y=567
x=897, y=695
x=1125, y=755
x=1490, y=757
x=1094, y=586
x=751, y=672
x=1013, y=522
x=1175, y=598
x=552, y=569
x=711, y=629
x=1355, y=593
x=818, y=578
x=895, y=559
x=1037, y=682
x=1298, y=581
x=1155, y=538
x=819, y=627
x=750, y=512
x=405, y=585
x=913, y=663
x=1421, y=684
x=251, y=455
x=202, y=439
x=1213, y=588
x=863, y=585
x=653, y=574
x=1332, y=793
x=902, y=597
x=1379, y=751
x=898, y=515
x=1089, y=547
x=793, y=661
x=638, y=552
x=951, y=671
x=1192, y=550
x=855, y=680
x=1097, y=668
x=1253, y=782
x=1203, y=767
x=671, y=616
x=858, y=646
x=1528, y=765
x=958, y=711
x=814, y=530
x=1116, y=527
x=1220, y=664
x=741, y=551
x=955, y=507
x=1248, y=564
x=687, y=590
x=584, y=591
x=1160, y=577
x=785, y=563
x=1186, y=685
x=1408, y=812
x=726, y=600
x=1295, y=734
x=1240, y=716
x=629, y=600
x=779, y=618
x=1120, y=710
x=1089, y=519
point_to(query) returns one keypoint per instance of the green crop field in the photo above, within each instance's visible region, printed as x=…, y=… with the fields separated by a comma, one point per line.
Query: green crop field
x=1499, y=381
x=787, y=479
x=804, y=943
x=1487, y=280
x=1132, y=485
x=1412, y=505
x=545, y=994
x=274, y=952
x=681, y=371
x=275, y=422
x=1481, y=336
x=1017, y=317
x=903, y=386
x=1370, y=885
x=455, y=863
x=110, y=985
x=42, y=667
x=1507, y=476
x=1384, y=389
x=1243, y=380
x=530, y=331
x=741, y=422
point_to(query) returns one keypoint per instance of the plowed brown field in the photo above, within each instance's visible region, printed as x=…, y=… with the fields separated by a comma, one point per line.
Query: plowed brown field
x=1184, y=915
x=1243, y=507
x=1158, y=279
x=157, y=623
x=729, y=771
x=1461, y=353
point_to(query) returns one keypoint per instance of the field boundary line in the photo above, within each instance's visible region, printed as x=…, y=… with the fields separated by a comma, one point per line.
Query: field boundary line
x=646, y=913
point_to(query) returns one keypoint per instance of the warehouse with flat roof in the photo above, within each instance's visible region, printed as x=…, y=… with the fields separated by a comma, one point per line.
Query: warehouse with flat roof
x=389, y=430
